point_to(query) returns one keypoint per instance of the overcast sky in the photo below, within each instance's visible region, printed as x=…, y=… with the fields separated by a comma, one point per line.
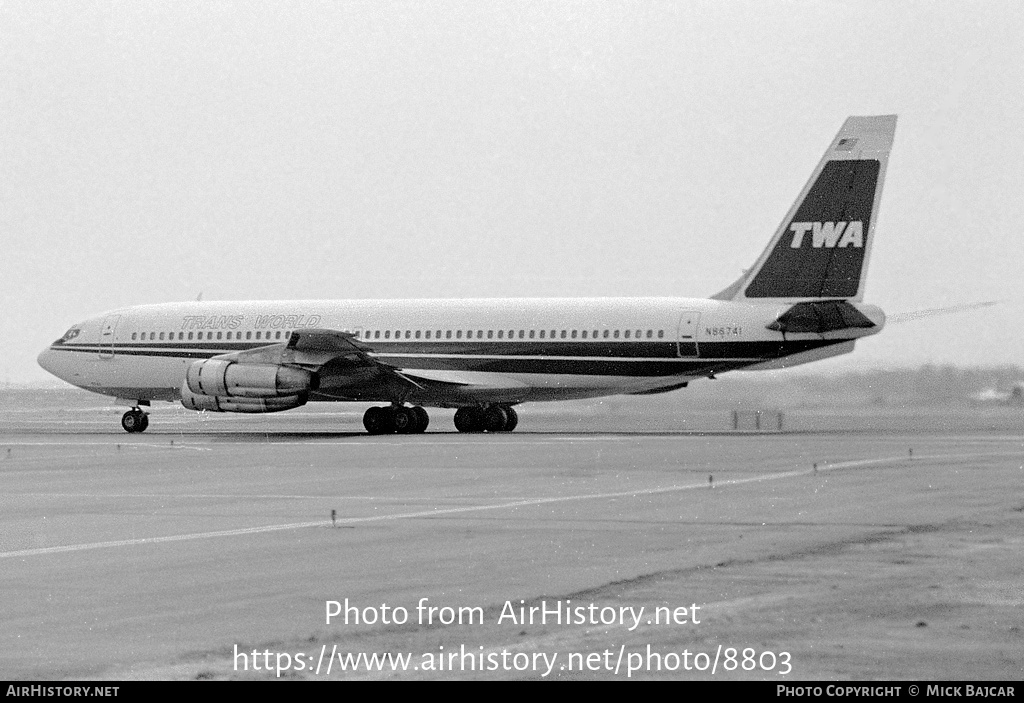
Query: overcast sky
x=153, y=150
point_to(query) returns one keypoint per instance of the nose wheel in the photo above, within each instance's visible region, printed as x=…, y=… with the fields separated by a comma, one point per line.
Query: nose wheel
x=135, y=421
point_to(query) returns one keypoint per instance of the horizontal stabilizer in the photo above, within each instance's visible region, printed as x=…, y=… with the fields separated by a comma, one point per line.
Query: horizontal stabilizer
x=820, y=317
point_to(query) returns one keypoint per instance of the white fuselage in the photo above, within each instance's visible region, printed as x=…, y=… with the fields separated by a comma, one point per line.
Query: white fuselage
x=530, y=348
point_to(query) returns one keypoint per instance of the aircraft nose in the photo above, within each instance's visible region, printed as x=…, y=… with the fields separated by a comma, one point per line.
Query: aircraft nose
x=47, y=361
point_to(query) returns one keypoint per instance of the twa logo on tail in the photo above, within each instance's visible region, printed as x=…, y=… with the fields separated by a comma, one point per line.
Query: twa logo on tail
x=830, y=235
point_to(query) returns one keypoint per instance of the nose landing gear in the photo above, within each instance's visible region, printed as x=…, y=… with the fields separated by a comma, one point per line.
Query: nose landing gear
x=135, y=421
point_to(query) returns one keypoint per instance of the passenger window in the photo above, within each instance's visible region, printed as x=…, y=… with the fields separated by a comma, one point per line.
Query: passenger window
x=563, y=334
x=616, y=334
x=552, y=334
x=650, y=333
x=408, y=334
x=447, y=334
x=574, y=334
x=220, y=333
x=531, y=334
x=661, y=334
x=606, y=332
x=152, y=336
x=458, y=334
x=542, y=334
x=490, y=334
x=190, y=335
x=501, y=334
x=161, y=336
x=522, y=333
x=479, y=334
x=417, y=334
x=584, y=334
x=627, y=334
x=387, y=334
x=134, y=335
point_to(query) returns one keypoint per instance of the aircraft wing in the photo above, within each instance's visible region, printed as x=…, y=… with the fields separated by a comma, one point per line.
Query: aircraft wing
x=349, y=367
x=309, y=348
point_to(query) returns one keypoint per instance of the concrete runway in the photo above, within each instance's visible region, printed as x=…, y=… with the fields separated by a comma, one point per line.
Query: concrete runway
x=152, y=556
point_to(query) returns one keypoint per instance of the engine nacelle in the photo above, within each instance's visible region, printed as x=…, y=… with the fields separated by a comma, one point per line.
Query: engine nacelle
x=219, y=377
x=239, y=404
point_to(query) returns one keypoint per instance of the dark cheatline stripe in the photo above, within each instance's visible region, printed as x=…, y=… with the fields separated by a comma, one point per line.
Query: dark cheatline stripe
x=614, y=349
x=714, y=356
x=573, y=367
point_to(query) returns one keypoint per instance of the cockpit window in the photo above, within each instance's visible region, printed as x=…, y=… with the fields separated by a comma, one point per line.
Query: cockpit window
x=69, y=335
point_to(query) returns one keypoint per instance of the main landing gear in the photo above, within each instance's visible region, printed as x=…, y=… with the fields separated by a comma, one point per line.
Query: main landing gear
x=396, y=418
x=495, y=418
x=402, y=420
x=135, y=421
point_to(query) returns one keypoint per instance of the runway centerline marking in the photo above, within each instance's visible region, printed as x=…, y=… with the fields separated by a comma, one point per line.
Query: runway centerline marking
x=451, y=511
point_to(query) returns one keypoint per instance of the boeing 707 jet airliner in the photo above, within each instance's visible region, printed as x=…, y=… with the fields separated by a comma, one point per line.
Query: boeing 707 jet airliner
x=800, y=302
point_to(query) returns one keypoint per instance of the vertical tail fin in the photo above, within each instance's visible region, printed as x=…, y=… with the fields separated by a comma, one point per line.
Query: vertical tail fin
x=821, y=249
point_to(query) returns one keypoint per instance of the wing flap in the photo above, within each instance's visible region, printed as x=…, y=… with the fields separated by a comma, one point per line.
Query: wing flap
x=468, y=381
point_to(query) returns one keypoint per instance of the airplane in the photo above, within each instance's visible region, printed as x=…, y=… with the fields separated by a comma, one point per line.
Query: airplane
x=801, y=301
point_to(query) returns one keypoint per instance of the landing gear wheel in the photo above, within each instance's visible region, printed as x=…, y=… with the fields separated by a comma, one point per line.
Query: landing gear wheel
x=422, y=416
x=134, y=421
x=495, y=419
x=405, y=420
x=469, y=420
x=378, y=421
x=513, y=419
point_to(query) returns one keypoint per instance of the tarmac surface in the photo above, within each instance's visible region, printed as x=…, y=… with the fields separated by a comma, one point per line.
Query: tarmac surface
x=874, y=554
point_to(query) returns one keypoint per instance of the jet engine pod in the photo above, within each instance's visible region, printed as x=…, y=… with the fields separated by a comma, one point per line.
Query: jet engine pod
x=219, y=377
x=239, y=404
